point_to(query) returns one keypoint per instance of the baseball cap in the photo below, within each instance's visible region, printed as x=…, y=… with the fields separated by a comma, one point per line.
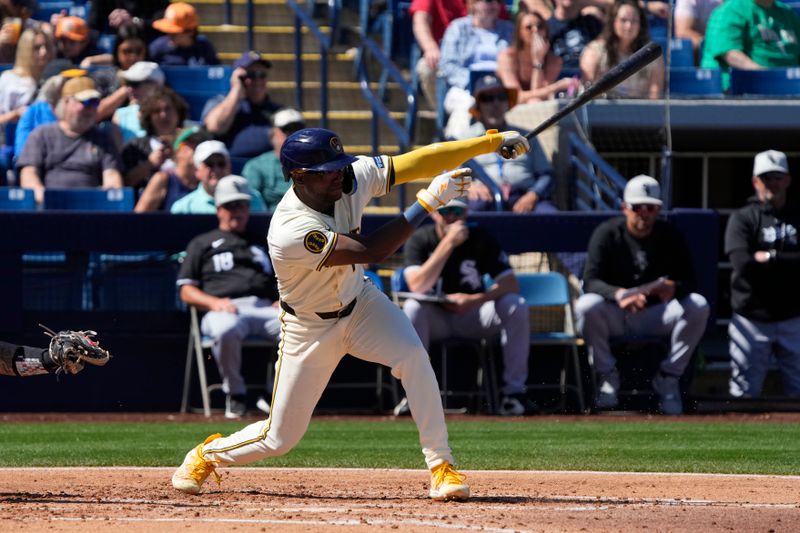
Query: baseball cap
x=770, y=161
x=455, y=202
x=642, y=189
x=81, y=88
x=178, y=18
x=249, y=58
x=206, y=149
x=288, y=117
x=490, y=82
x=144, y=71
x=231, y=188
x=74, y=28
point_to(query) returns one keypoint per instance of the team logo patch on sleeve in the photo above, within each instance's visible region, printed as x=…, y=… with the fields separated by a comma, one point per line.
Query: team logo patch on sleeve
x=315, y=241
x=378, y=161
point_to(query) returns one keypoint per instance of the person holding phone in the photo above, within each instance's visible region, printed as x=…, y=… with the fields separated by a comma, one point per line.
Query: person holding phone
x=243, y=117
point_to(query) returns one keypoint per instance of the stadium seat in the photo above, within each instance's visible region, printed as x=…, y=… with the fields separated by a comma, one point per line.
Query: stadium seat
x=76, y=8
x=16, y=199
x=552, y=324
x=768, y=82
x=198, y=84
x=89, y=199
x=690, y=81
x=681, y=52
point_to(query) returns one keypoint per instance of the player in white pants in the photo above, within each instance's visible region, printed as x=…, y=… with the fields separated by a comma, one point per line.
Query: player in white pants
x=329, y=309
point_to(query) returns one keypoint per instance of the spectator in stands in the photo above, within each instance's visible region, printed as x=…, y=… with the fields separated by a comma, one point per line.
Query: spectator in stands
x=470, y=44
x=626, y=33
x=450, y=258
x=751, y=35
x=71, y=152
x=529, y=66
x=227, y=272
x=42, y=111
x=526, y=182
x=761, y=241
x=429, y=19
x=212, y=162
x=129, y=48
x=570, y=31
x=141, y=80
x=691, y=18
x=638, y=280
x=162, y=112
x=73, y=42
x=15, y=16
x=109, y=16
x=242, y=118
x=18, y=86
x=183, y=45
x=168, y=186
x=264, y=173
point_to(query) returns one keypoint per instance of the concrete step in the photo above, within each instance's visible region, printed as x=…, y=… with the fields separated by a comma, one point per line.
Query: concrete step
x=273, y=39
x=265, y=11
x=354, y=127
x=342, y=95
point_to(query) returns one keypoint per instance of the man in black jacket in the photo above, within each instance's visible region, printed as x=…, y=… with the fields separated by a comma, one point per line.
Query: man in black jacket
x=638, y=280
x=761, y=241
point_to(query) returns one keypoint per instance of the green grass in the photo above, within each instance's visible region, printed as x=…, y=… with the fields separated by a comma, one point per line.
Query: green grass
x=641, y=445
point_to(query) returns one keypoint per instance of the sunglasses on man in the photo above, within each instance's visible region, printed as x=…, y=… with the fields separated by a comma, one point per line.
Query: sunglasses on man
x=487, y=98
x=644, y=208
x=456, y=211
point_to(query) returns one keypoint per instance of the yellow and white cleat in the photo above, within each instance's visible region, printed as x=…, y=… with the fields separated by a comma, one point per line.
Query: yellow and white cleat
x=194, y=470
x=448, y=484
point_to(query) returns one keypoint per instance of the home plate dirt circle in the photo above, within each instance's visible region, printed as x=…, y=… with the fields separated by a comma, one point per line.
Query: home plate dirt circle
x=327, y=500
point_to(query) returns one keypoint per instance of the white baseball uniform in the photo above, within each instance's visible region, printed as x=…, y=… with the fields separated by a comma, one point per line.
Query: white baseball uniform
x=300, y=240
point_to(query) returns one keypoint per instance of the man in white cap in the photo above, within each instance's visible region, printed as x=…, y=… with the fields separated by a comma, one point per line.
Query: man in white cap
x=264, y=173
x=211, y=162
x=762, y=243
x=140, y=80
x=638, y=280
x=451, y=258
x=227, y=272
x=71, y=152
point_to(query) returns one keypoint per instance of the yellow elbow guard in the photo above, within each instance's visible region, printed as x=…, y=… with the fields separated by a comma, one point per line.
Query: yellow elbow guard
x=432, y=160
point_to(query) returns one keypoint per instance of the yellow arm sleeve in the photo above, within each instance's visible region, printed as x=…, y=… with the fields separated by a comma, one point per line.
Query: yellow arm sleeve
x=432, y=160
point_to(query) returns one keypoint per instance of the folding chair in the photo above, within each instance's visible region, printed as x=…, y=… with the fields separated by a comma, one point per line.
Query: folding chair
x=485, y=378
x=197, y=344
x=552, y=324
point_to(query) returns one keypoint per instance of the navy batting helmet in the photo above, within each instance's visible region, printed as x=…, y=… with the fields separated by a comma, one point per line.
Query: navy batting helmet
x=315, y=149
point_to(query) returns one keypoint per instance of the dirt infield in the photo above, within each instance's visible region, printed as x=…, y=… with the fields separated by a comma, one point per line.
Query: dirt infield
x=327, y=500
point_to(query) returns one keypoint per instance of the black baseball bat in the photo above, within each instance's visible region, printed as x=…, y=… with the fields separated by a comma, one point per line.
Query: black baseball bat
x=643, y=57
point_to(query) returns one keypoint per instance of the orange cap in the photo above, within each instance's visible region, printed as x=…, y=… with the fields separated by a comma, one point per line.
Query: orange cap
x=73, y=28
x=178, y=18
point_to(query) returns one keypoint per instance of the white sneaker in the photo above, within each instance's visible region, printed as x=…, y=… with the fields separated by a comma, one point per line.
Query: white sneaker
x=235, y=406
x=607, y=387
x=402, y=409
x=262, y=405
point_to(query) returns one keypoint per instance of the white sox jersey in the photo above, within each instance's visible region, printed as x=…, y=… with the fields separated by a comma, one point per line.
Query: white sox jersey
x=301, y=239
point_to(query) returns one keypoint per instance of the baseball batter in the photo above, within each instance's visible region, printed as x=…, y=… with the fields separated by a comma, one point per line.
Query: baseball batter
x=329, y=310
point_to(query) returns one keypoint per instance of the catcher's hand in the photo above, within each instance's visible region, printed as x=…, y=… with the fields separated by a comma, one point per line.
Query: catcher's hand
x=69, y=350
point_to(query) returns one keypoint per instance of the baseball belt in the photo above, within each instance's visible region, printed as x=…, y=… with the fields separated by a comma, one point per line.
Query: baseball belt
x=341, y=313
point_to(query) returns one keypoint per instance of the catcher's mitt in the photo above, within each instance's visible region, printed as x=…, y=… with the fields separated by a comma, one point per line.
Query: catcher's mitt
x=69, y=350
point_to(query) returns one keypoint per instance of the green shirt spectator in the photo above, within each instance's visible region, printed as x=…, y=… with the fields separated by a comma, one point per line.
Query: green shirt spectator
x=264, y=173
x=751, y=35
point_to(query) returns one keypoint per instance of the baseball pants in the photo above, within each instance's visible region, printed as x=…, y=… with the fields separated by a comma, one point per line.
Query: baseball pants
x=508, y=316
x=310, y=349
x=683, y=321
x=752, y=345
x=255, y=316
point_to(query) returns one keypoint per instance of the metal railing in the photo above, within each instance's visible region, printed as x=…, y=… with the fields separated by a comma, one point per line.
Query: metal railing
x=304, y=18
x=598, y=185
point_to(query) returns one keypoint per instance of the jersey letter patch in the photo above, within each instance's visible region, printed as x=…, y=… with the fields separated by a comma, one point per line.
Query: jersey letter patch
x=315, y=241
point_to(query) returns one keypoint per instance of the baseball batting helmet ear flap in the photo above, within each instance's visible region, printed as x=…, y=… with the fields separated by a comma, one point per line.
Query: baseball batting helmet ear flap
x=313, y=149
